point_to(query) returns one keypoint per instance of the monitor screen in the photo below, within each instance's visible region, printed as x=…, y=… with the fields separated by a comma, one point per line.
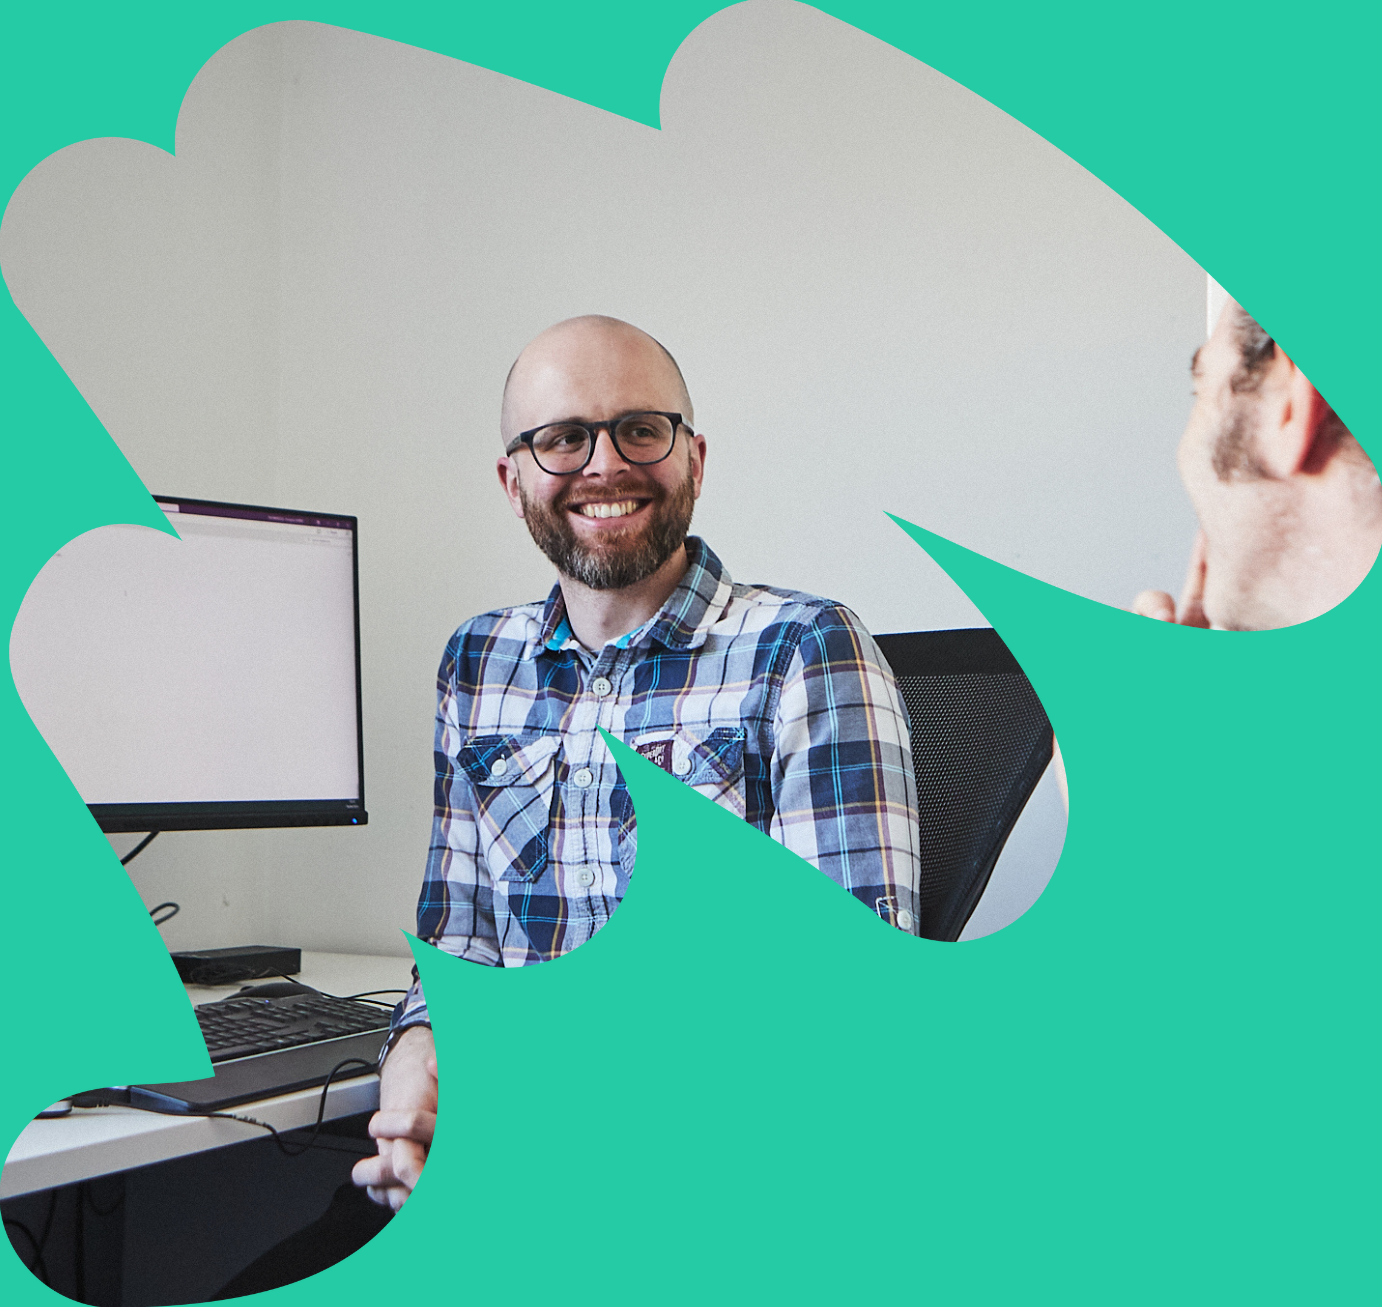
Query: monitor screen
x=204, y=682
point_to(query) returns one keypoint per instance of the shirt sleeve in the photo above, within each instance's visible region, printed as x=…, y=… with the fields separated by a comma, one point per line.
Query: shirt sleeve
x=843, y=786
x=455, y=910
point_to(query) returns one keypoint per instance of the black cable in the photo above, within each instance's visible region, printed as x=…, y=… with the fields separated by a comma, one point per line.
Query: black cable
x=139, y=848
x=130, y=857
x=39, y=1268
x=293, y=981
x=158, y=907
x=321, y=1111
x=344, y=998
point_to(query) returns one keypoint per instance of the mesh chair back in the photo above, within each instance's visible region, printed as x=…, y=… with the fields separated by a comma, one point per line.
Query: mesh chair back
x=980, y=742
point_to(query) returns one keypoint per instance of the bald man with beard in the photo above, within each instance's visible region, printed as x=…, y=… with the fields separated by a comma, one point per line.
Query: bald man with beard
x=774, y=704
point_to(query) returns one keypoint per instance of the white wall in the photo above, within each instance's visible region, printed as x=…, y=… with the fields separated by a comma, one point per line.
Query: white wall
x=885, y=295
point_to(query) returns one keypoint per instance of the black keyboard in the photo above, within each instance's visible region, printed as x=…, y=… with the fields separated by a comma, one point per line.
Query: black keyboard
x=263, y=1047
x=244, y=1026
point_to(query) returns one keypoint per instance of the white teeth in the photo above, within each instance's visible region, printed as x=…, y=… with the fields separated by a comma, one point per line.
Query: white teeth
x=610, y=510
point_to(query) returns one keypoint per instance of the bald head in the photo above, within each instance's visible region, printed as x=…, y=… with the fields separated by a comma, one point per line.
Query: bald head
x=590, y=368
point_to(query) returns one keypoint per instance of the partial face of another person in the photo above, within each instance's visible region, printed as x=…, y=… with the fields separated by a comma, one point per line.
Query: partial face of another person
x=1290, y=506
x=614, y=522
x=1237, y=499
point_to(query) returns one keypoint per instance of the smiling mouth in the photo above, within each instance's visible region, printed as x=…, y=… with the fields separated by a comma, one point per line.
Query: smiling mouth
x=608, y=508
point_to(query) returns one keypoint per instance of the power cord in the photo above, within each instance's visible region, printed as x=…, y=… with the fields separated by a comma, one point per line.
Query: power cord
x=316, y=1128
x=139, y=848
x=39, y=1267
x=130, y=857
x=365, y=996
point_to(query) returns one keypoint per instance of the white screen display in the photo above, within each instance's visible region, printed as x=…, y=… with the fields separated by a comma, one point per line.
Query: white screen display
x=215, y=668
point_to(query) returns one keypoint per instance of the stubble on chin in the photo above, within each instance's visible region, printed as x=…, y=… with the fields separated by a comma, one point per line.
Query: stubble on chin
x=624, y=560
x=1235, y=455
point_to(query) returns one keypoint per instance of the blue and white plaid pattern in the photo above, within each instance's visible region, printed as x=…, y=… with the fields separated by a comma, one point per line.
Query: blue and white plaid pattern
x=777, y=705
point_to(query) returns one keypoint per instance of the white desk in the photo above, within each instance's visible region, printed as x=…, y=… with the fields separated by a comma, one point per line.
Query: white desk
x=98, y=1141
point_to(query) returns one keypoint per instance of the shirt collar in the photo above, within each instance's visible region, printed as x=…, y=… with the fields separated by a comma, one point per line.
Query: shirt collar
x=684, y=620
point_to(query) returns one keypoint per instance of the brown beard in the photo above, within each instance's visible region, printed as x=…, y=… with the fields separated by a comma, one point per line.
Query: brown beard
x=628, y=558
x=1235, y=456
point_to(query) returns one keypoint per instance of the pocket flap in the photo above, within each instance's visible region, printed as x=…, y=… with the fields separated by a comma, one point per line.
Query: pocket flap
x=713, y=759
x=494, y=760
x=719, y=758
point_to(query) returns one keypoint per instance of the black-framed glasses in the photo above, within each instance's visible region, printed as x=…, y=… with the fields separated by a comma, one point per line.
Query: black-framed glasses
x=563, y=448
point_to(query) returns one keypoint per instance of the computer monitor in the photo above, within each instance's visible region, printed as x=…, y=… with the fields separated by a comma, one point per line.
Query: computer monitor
x=205, y=682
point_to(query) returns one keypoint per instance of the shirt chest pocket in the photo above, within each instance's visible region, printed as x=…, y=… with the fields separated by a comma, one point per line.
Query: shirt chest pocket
x=710, y=761
x=514, y=780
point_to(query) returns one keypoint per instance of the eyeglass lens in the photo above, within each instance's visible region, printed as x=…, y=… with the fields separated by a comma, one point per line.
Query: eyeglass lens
x=639, y=438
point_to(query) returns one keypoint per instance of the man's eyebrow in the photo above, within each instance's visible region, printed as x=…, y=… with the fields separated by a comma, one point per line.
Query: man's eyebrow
x=1195, y=363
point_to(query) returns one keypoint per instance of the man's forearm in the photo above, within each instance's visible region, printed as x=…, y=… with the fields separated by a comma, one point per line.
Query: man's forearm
x=843, y=787
x=406, y=1081
x=406, y=1119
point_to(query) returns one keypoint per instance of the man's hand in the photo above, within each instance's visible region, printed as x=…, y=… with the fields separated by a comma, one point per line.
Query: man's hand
x=405, y=1121
x=1159, y=605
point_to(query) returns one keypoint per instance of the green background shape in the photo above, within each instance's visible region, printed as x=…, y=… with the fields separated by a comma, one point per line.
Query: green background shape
x=1150, y=1088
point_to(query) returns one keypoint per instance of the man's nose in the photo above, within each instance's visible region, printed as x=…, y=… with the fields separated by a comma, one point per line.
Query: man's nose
x=605, y=459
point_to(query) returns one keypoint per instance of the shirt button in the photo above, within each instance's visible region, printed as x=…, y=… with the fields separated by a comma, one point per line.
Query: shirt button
x=499, y=767
x=600, y=687
x=906, y=920
x=585, y=877
x=582, y=777
x=681, y=766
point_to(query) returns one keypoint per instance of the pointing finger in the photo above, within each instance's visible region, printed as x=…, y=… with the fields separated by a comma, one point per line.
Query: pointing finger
x=1156, y=604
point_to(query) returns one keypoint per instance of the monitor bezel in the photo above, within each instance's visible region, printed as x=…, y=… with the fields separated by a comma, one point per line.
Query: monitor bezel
x=116, y=818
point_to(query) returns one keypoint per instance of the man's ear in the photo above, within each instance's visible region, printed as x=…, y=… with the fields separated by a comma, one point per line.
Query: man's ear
x=698, y=460
x=1324, y=441
x=1290, y=437
x=508, y=478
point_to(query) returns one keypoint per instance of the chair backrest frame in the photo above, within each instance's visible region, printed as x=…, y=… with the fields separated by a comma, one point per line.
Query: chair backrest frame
x=981, y=747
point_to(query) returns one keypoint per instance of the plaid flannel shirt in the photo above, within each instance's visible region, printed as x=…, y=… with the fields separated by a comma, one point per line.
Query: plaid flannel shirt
x=775, y=704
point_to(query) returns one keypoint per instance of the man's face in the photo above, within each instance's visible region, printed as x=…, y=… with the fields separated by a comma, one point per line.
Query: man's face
x=614, y=523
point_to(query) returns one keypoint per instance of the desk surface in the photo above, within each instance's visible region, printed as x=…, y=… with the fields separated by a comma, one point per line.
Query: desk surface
x=98, y=1141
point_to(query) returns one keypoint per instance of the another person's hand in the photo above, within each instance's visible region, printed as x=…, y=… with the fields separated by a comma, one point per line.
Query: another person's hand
x=1190, y=612
x=405, y=1121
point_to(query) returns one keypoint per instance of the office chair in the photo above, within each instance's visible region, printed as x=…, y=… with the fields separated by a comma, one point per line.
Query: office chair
x=980, y=742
